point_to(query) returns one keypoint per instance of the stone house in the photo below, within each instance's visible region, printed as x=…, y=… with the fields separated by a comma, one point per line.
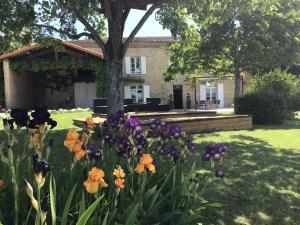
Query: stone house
x=146, y=60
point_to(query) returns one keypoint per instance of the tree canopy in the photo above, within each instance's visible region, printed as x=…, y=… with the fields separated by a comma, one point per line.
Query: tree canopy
x=232, y=36
x=35, y=19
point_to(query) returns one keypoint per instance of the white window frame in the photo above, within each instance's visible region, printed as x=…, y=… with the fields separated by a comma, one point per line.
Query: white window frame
x=210, y=88
x=137, y=88
x=136, y=65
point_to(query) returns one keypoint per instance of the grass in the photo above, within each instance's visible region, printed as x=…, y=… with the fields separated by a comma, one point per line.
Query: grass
x=262, y=172
x=65, y=120
x=262, y=176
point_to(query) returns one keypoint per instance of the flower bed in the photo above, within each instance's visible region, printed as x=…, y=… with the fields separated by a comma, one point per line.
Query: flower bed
x=121, y=173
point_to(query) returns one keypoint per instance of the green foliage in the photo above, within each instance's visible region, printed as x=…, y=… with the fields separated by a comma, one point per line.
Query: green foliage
x=271, y=98
x=233, y=36
x=266, y=108
x=280, y=83
x=275, y=81
x=45, y=65
x=2, y=94
x=172, y=195
x=83, y=219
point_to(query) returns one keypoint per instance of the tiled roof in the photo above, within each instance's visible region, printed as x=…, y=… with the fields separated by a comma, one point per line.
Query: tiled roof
x=158, y=40
x=86, y=45
x=25, y=50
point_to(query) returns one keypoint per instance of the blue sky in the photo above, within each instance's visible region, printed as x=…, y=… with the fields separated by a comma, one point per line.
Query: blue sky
x=150, y=28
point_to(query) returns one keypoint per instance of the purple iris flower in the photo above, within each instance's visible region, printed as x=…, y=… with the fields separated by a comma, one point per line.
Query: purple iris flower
x=120, y=114
x=107, y=136
x=92, y=152
x=40, y=165
x=172, y=152
x=221, y=148
x=206, y=157
x=190, y=145
x=141, y=143
x=157, y=128
x=124, y=146
x=175, y=131
x=113, y=121
x=219, y=173
x=132, y=123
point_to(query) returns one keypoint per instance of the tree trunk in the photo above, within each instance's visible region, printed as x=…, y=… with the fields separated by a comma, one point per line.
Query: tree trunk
x=237, y=83
x=114, y=65
x=114, y=55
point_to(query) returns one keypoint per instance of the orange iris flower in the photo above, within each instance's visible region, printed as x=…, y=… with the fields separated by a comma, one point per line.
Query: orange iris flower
x=95, y=180
x=119, y=174
x=90, y=123
x=146, y=161
x=73, y=144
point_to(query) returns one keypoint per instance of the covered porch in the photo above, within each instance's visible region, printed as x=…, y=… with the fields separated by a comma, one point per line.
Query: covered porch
x=60, y=75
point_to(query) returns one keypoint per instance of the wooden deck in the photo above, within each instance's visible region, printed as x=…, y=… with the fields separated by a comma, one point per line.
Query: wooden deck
x=191, y=122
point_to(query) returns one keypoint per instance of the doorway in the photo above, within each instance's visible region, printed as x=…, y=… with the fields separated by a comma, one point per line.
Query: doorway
x=178, y=96
x=84, y=94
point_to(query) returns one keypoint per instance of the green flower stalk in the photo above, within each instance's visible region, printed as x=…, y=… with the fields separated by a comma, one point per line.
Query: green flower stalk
x=15, y=185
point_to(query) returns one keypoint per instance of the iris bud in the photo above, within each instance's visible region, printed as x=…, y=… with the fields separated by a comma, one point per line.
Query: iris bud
x=29, y=189
x=40, y=180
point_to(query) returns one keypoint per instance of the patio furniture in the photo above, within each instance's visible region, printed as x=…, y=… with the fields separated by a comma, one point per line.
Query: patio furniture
x=202, y=104
x=128, y=101
x=152, y=105
x=216, y=103
x=209, y=105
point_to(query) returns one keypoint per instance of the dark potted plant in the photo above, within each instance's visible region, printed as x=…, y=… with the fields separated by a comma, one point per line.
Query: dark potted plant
x=188, y=101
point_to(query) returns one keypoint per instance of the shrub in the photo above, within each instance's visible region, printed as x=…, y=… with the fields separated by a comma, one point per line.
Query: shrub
x=271, y=98
x=276, y=81
x=294, y=97
x=117, y=173
x=266, y=108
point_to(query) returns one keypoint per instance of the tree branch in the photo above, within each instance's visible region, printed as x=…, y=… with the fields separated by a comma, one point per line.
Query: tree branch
x=125, y=14
x=88, y=26
x=107, y=11
x=140, y=24
x=72, y=36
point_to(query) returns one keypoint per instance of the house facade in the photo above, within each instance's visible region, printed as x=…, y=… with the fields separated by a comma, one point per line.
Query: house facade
x=145, y=61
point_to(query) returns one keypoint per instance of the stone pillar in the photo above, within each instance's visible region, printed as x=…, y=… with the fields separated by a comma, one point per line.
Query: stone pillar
x=7, y=83
x=18, y=88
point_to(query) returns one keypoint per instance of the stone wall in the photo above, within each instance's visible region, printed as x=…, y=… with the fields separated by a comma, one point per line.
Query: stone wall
x=19, y=88
x=158, y=58
x=22, y=91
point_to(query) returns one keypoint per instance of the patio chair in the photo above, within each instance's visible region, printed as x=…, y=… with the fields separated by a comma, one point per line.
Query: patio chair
x=217, y=104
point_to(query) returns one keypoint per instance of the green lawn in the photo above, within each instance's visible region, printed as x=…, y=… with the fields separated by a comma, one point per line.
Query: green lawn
x=262, y=184
x=65, y=120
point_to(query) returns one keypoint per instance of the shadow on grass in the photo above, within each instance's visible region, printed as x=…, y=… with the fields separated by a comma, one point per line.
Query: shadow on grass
x=287, y=125
x=261, y=187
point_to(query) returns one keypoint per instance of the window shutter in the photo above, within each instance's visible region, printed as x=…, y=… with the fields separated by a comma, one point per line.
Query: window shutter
x=202, y=92
x=144, y=65
x=127, y=92
x=127, y=65
x=146, y=90
x=221, y=94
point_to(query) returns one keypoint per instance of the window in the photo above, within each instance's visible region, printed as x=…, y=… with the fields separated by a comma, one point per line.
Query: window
x=211, y=93
x=135, y=63
x=136, y=93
